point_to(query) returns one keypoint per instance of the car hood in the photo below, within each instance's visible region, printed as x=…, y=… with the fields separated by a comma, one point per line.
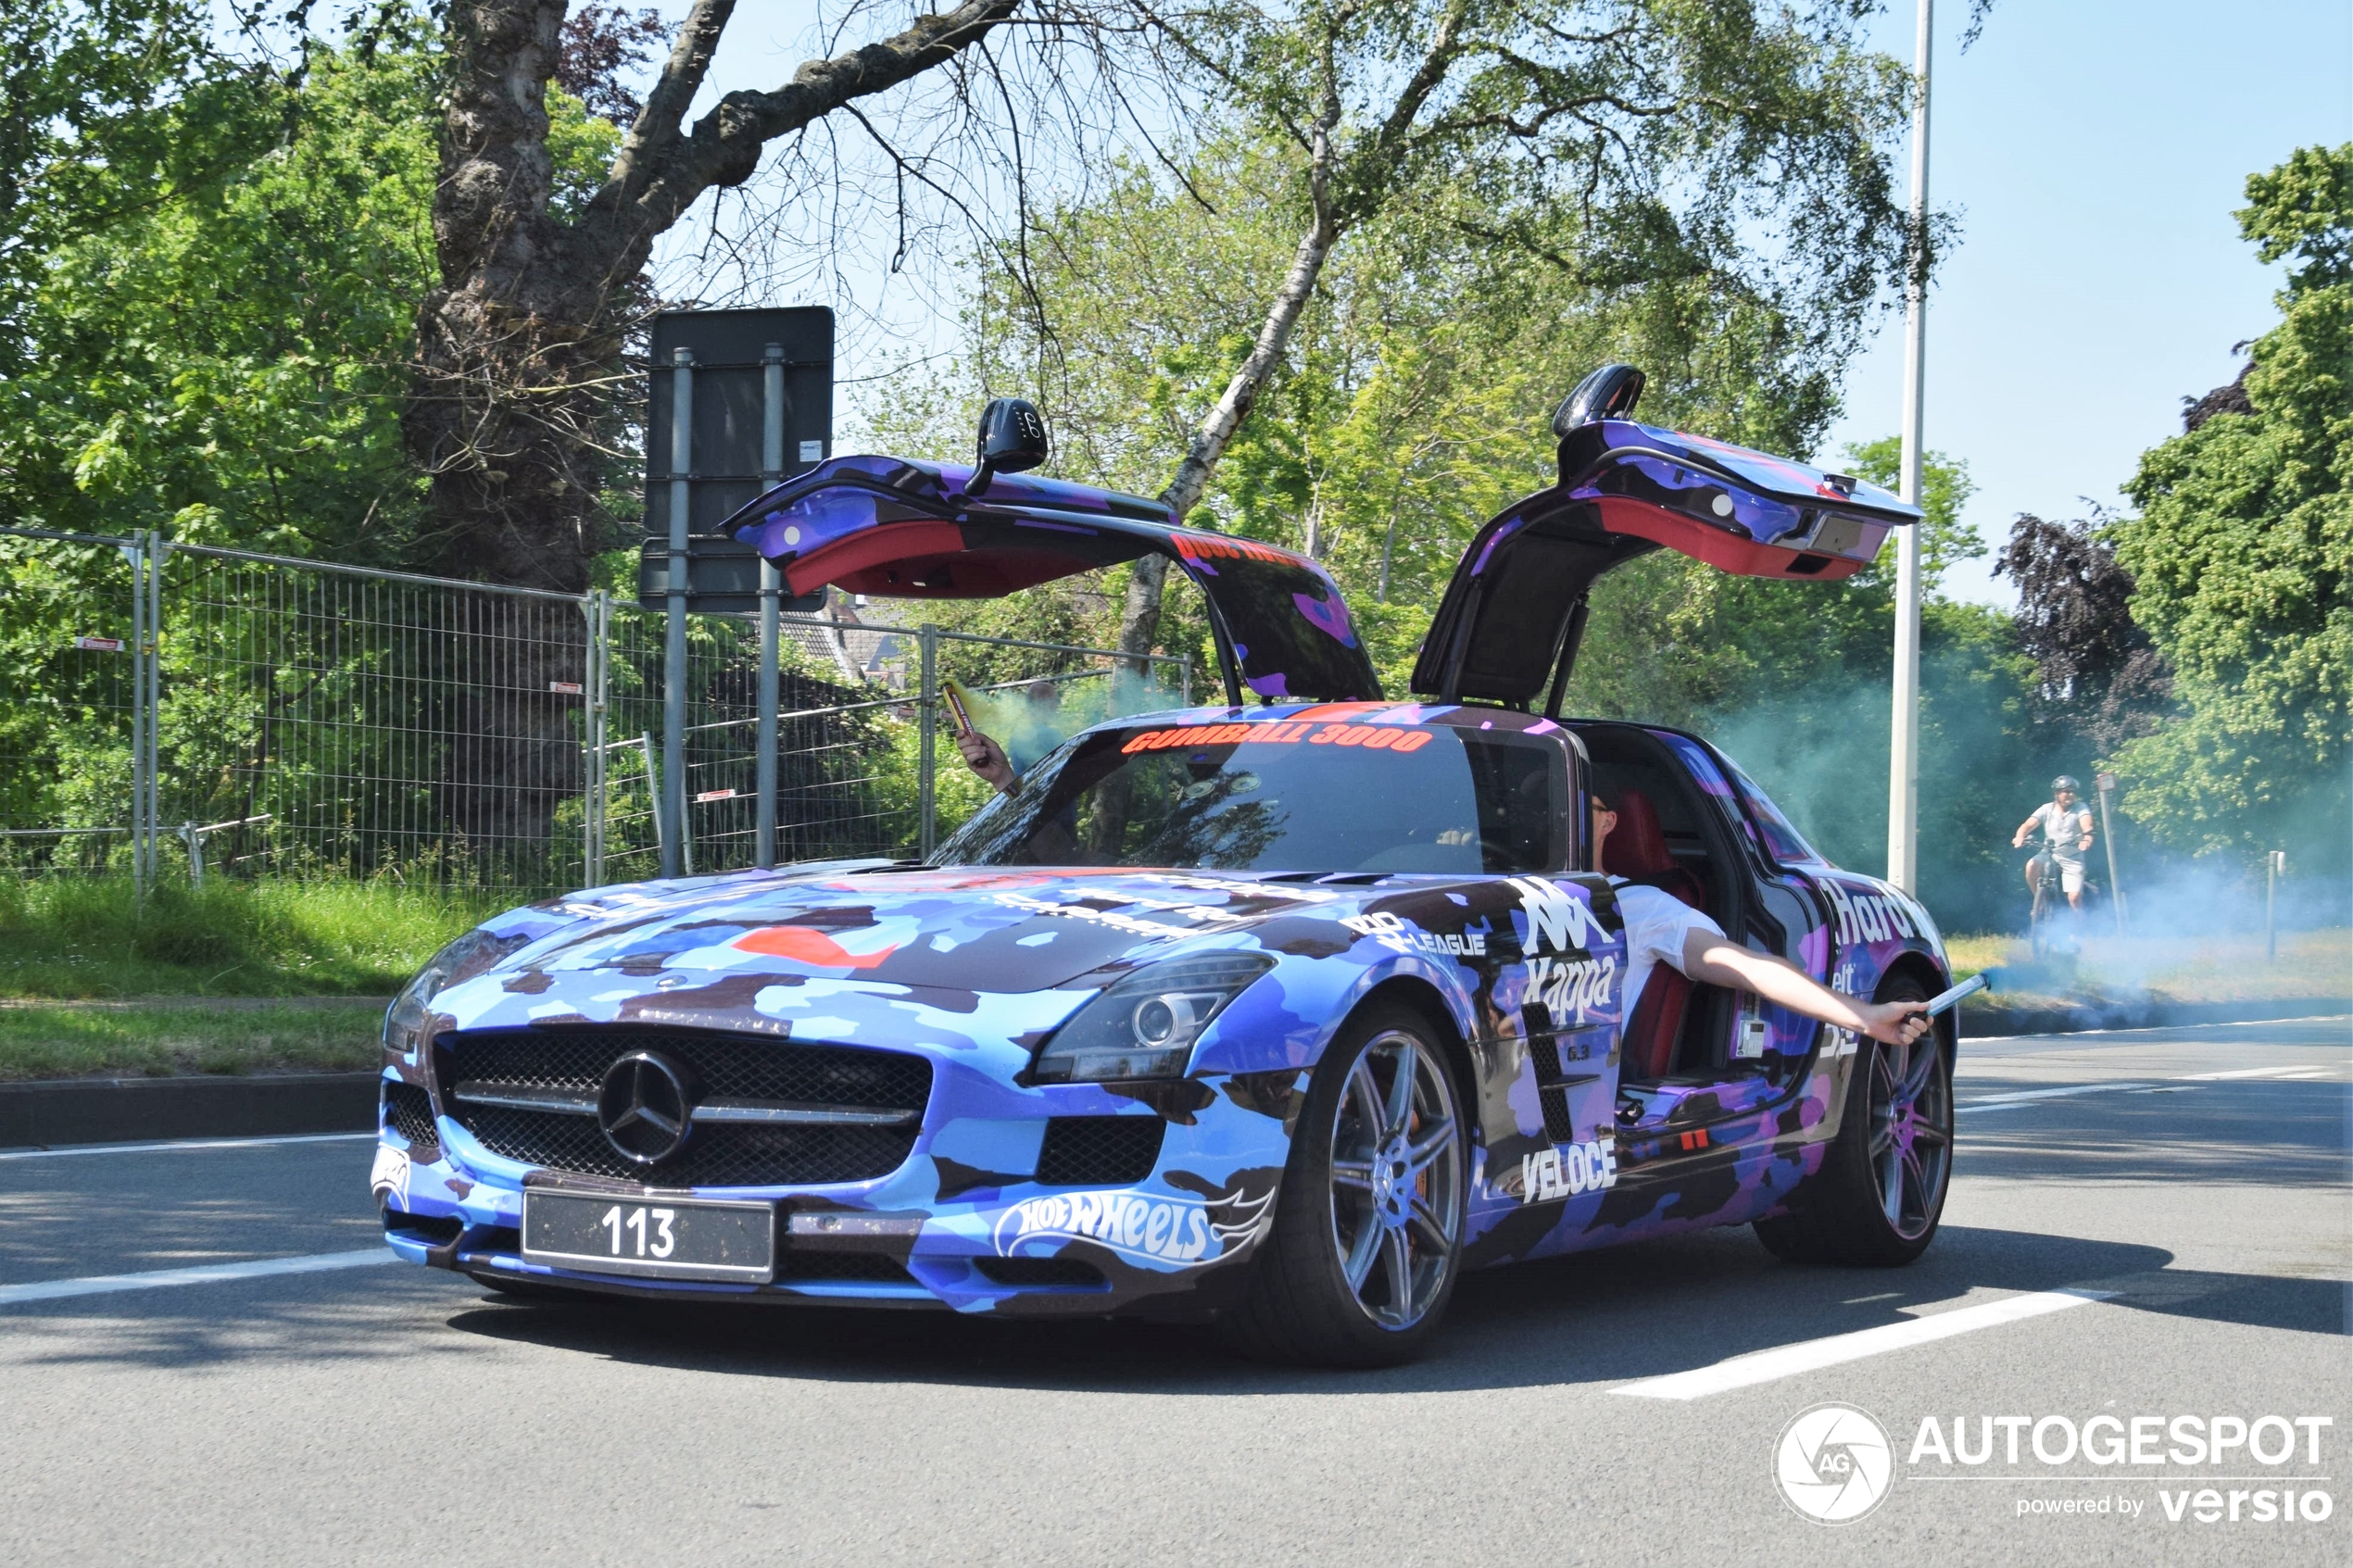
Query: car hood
x=728, y=951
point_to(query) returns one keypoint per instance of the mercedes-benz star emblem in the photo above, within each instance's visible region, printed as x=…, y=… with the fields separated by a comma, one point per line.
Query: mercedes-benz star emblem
x=644, y=1108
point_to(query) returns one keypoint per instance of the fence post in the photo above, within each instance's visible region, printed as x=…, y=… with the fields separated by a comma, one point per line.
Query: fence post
x=151, y=698
x=600, y=611
x=654, y=795
x=671, y=803
x=771, y=474
x=926, y=800
x=1184, y=681
x=134, y=556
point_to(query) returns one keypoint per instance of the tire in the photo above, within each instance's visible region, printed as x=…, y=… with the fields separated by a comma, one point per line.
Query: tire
x=1371, y=1196
x=1880, y=1195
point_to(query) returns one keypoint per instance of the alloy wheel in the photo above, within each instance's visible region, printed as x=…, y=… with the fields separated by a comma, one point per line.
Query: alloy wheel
x=1911, y=1142
x=1397, y=1179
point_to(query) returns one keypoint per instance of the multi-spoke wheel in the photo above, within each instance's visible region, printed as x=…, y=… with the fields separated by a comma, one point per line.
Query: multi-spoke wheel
x=1368, y=1229
x=1911, y=1137
x=1881, y=1190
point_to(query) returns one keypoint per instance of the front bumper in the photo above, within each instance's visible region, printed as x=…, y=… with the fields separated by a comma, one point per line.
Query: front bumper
x=966, y=1224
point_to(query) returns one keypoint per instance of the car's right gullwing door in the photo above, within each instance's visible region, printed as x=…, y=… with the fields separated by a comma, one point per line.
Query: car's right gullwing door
x=1510, y=617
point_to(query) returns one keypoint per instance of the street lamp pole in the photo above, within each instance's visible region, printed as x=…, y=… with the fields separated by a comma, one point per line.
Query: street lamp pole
x=1904, y=734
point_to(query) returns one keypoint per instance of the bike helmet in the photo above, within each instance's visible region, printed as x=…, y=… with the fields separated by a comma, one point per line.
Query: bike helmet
x=2066, y=784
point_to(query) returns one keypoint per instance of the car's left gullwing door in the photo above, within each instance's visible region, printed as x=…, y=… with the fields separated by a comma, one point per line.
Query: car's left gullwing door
x=899, y=528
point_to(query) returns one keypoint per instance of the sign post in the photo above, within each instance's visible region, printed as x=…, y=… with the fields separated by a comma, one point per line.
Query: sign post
x=1904, y=732
x=771, y=582
x=2106, y=785
x=740, y=400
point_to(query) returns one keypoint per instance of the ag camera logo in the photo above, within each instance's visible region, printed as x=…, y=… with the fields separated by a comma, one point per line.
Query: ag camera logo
x=1834, y=1464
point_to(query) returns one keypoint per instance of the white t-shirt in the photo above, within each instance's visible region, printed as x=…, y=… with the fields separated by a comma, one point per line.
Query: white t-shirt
x=2063, y=829
x=1656, y=923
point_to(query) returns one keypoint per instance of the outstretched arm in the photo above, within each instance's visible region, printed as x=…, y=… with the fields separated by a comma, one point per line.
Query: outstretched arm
x=1710, y=959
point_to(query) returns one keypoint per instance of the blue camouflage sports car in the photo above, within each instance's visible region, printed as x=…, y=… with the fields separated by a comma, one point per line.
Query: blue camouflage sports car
x=1281, y=1013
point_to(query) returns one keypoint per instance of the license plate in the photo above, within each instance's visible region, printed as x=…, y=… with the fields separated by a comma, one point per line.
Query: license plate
x=669, y=1240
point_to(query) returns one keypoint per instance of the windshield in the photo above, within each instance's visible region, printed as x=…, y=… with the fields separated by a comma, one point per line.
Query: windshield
x=1276, y=797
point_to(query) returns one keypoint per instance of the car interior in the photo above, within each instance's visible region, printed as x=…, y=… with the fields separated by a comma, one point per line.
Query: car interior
x=1669, y=838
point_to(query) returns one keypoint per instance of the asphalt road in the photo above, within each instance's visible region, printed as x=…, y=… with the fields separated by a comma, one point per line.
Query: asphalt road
x=2154, y=1242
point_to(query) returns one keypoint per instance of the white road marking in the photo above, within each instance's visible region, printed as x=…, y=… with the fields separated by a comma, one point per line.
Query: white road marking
x=209, y=1273
x=1812, y=1355
x=2027, y=1096
x=181, y=1144
x=2248, y=1073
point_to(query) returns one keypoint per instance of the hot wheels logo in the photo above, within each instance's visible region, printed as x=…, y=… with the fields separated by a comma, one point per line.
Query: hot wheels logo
x=1154, y=1228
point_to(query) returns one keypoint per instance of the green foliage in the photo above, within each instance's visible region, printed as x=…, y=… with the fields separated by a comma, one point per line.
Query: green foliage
x=113, y=107
x=2242, y=551
x=226, y=357
x=70, y=938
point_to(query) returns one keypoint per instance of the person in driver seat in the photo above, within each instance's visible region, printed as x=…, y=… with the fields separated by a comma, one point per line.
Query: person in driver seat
x=1668, y=928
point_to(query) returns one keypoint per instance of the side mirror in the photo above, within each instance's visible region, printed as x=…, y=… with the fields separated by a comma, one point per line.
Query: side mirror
x=1609, y=393
x=1012, y=439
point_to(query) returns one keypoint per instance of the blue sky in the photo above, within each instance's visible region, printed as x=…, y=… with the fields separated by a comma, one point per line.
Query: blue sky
x=2094, y=154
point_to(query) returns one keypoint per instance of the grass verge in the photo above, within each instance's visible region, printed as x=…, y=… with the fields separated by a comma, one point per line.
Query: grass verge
x=67, y=939
x=160, y=1041
x=2116, y=970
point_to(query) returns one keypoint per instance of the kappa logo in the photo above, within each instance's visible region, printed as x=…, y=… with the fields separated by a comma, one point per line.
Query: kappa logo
x=1567, y=990
x=1556, y=919
x=1394, y=934
x=1553, y=1174
x=1157, y=1228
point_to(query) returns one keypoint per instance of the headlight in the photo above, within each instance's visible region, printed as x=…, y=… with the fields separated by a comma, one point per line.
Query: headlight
x=410, y=1014
x=1144, y=1025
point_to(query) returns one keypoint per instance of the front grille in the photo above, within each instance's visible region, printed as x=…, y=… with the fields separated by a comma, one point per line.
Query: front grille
x=729, y=1066
x=1041, y=1274
x=1099, y=1150
x=407, y=1110
x=840, y=1267
x=433, y=1230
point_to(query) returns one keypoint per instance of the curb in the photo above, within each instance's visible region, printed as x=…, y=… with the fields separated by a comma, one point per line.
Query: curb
x=79, y=1110
x=75, y=1110
x=1978, y=1024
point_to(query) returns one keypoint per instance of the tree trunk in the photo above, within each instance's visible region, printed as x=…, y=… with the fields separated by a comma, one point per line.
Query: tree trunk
x=514, y=407
x=1139, y=617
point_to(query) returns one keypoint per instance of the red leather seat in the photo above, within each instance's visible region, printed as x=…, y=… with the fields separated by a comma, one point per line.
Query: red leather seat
x=1636, y=849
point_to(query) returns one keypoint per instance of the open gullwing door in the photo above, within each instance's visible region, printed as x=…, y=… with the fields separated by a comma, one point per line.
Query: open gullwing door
x=896, y=528
x=1515, y=611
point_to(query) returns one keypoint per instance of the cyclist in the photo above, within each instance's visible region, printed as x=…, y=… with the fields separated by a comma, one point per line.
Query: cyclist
x=2066, y=827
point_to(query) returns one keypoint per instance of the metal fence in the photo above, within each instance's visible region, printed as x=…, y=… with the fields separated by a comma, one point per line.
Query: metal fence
x=178, y=710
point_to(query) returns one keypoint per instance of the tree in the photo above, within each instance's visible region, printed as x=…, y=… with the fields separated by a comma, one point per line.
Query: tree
x=2096, y=672
x=114, y=108
x=1409, y=406
x=1626, y=142
x=228, y=362
x=2242, y=557
x=519, y=346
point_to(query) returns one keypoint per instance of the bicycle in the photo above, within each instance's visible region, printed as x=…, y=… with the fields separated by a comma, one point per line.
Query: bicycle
x=2043, y=936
